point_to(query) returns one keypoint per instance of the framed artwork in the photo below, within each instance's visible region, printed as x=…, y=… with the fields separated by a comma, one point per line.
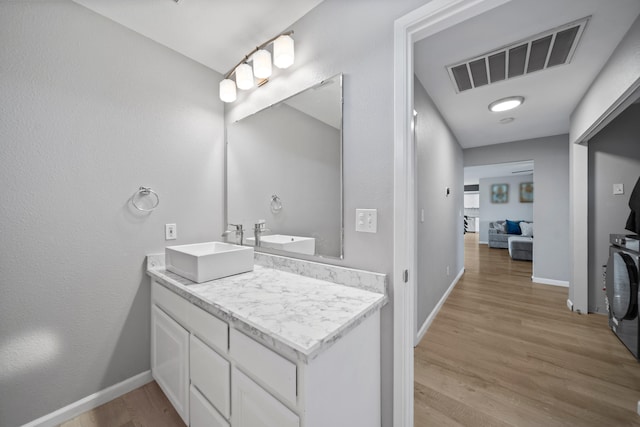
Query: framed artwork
x=500, y=193
x=526, y=192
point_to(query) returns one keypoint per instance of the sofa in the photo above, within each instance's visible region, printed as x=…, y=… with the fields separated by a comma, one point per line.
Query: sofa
x=521, y=249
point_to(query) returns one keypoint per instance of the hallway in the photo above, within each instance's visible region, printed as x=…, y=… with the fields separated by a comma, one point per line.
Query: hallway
x=504, y=351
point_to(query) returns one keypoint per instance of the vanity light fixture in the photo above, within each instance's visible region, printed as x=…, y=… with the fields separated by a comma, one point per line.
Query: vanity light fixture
x=505, y=104
x=283, y=57
x=244, y=76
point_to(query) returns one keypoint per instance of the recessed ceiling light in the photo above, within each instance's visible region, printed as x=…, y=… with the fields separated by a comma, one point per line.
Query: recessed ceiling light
x=505, y=104
x=506, y=120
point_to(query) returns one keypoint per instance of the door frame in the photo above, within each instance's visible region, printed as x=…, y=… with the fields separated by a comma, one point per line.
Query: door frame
x=433, y=17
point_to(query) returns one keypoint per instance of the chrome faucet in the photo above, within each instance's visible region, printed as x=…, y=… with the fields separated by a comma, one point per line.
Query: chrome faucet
x=239, y=232
x=259, y=228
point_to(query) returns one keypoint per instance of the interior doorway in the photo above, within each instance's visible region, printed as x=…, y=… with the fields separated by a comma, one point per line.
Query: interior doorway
x=499, y=192
x=427, y=20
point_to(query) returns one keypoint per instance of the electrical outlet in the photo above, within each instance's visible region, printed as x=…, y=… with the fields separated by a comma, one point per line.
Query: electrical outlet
x=448, y=270
x=170, y=232
x=618, y=188
x=367, y=220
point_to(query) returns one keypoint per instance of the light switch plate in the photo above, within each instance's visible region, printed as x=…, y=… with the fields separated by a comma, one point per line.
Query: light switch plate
x=170, y=232
x=367, y=220
x=618, y=188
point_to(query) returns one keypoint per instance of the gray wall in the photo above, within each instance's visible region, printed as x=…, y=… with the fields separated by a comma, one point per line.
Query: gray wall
x=621, y=72
x=89, y=112
x=440, y=236
x=617, y=79
x=286, y=152
x=356, y=39
x=614, y=157
x=551, y=207
x=513, y=209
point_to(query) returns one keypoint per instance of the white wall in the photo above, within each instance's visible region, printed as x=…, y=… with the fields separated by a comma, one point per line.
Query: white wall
x=619, y=76
x=286, y=152
x=89, y=112
x=440, y=235
x=614, y=157
x=512, y=210
x=551, y=187
x=353, y=38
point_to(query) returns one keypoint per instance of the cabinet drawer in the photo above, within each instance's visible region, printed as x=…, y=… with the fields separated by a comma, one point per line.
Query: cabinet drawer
x=210, y=373
x=202, y=413
x=173, y=304
x=209, y=328
x=267, y=366
x=254, y=407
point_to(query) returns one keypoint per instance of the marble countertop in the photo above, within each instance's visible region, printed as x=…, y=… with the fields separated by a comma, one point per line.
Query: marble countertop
x=295, y=315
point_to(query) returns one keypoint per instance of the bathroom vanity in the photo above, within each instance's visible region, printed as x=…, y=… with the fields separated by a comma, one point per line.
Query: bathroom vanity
x=292, y=343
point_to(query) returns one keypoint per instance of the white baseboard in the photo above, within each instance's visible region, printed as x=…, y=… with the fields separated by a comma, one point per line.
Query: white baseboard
x=436, y=309
x=553, y=282
x=569, y=304
x=483, y=243
x=93, y=401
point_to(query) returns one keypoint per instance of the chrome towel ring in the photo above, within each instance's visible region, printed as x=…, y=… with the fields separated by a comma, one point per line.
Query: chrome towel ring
x=276, y=204
x=145, y=191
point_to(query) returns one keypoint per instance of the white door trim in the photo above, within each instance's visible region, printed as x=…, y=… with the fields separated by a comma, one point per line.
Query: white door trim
x=423, y=22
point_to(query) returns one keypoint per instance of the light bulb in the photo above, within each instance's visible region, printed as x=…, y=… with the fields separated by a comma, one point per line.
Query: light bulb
x=262, y=64
x=244, y=77
x=227, y=90
x=283, y=53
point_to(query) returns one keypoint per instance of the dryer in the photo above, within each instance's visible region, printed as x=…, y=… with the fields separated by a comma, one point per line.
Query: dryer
x=623, y=270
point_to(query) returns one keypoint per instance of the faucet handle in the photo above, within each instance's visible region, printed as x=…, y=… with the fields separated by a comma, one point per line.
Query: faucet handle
x=261, y=225
x=238, y=227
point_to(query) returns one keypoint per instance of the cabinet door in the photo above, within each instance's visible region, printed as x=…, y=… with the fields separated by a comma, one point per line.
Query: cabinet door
x=202, y=414
x=170, y=359
x=252, y=406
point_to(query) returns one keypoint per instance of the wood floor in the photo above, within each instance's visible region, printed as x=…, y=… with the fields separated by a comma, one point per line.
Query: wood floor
x=146, y=406
x=503, y=351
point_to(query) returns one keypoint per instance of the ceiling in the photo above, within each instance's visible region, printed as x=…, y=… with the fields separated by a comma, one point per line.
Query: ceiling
x=216, y=33
x=473, y=174
x=322, y=102
x=551, y=95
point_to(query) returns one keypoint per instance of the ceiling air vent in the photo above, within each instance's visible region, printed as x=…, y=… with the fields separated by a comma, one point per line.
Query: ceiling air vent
x=542, y=51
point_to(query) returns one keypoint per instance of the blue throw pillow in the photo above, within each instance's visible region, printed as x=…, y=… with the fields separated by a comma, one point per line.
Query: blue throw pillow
x=513, y=227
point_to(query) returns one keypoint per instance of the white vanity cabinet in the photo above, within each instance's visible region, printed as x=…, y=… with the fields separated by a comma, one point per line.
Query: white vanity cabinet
x=216, y=375
x=170, y=360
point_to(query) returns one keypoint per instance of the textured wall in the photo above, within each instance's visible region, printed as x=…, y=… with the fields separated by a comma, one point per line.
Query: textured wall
x=89, y=112
x=513, y=209
x=286, y=152
x=440, y=235
x=621, y=72
x=614, y=158
x=551, y=208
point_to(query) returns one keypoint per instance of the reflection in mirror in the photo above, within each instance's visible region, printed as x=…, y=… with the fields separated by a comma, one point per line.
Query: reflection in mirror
x=284, y=174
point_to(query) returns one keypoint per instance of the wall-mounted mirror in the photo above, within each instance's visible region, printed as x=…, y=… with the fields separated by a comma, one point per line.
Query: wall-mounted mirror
x=284, y=166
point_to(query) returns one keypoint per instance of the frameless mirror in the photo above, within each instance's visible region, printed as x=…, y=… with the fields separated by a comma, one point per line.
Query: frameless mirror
x=284, y=171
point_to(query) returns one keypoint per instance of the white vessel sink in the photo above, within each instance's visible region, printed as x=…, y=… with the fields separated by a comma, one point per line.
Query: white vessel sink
x=284, y=242
x=202, y=262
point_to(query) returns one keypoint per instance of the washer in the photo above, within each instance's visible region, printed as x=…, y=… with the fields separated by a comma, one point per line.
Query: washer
x=623, y=270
